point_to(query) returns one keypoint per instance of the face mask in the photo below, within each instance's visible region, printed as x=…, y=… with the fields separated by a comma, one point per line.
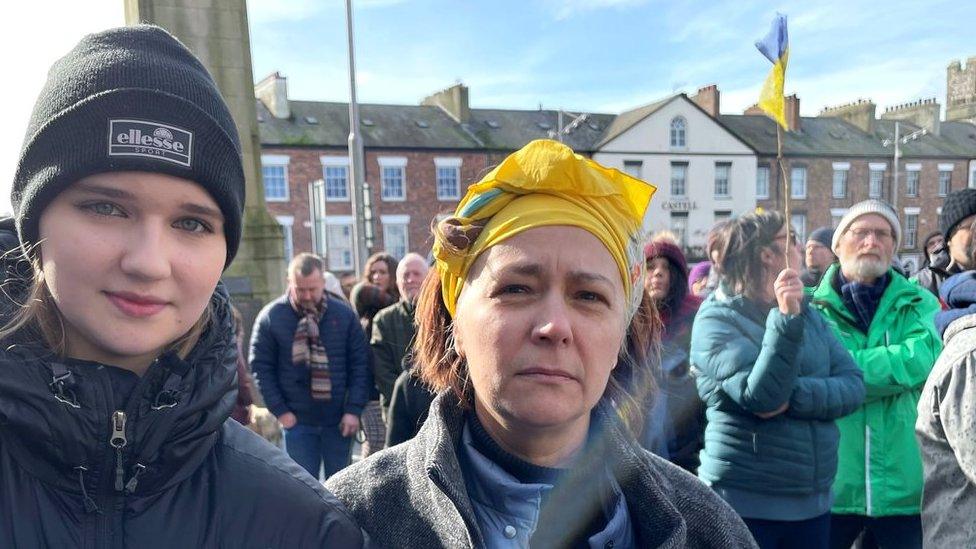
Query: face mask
x=939, y=259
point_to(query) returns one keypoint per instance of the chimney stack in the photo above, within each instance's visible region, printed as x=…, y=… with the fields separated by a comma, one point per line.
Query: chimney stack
x=708, y=99
x=453, y=101
x=859, y=113
x=924, y=113
x=792, y=109
x=273, y=92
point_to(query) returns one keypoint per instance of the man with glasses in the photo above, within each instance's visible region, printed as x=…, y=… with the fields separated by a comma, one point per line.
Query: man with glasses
x=955, y=222
x=886, y=322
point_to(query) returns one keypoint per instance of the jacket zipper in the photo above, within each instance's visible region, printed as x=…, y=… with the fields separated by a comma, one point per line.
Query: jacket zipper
x=118, y=441
x=867, y=468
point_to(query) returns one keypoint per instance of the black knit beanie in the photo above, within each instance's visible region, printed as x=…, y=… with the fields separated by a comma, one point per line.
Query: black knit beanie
x=129, y=99
x=956, y=206
x=823, y=236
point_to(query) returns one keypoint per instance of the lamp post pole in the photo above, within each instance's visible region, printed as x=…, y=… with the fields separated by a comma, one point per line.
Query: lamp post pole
x=894, y=191
x=356, y=164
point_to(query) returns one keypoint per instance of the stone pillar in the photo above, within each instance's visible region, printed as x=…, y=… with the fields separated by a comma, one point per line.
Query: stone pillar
x=217, y=32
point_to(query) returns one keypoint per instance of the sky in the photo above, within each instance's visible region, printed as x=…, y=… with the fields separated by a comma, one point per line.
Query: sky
x=580, y=55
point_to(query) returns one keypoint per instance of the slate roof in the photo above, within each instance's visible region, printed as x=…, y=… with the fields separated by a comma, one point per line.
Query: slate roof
x=422, y=127
x=504, y=129
x=326, y=124
x=955, y=139
x=819, y=137
x=394, y=126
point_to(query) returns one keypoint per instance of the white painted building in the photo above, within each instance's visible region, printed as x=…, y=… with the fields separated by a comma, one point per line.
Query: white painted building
x=703, y=172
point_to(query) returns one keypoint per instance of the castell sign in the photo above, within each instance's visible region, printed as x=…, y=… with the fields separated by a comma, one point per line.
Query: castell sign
x=149, y=140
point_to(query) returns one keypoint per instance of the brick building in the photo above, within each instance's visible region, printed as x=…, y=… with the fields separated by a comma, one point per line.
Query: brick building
x=839, y=158
x=419, y=161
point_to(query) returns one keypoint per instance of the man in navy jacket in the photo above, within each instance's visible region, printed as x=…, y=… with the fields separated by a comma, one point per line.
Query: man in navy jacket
x=316, y=399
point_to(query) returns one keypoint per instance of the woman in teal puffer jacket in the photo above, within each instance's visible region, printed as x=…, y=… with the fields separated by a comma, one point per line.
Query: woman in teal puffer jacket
x=773, y=378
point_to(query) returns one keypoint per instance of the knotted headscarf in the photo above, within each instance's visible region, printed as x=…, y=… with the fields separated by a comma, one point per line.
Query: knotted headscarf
x=543, y=184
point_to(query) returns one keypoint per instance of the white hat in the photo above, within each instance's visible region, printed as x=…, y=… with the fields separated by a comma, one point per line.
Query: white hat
x=862, y=208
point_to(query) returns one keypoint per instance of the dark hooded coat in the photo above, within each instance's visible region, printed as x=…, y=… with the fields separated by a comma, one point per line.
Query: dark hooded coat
x=94, y=456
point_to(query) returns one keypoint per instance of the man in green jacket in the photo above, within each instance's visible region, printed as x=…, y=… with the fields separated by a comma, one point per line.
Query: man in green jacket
x=393, y=327
x=886, y=322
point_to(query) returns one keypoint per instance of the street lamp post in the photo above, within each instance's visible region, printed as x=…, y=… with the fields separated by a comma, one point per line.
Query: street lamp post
x=897, y=142
x=561, y=130
x=356, y=164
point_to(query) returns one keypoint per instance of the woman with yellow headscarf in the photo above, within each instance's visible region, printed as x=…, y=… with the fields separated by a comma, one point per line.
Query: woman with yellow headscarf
x=524, y=329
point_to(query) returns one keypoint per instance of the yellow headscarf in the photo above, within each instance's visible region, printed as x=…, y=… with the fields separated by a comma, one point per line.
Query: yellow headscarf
x=543, y=184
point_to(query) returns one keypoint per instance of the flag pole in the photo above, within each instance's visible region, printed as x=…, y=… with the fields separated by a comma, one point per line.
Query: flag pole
x=786, y=189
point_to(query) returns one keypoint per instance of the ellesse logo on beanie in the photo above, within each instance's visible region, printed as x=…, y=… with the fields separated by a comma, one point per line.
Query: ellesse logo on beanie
x=150, y=140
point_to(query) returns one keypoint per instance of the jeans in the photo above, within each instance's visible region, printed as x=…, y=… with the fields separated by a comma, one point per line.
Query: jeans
x=315, y=446
x=897, y=532
x=796, y=534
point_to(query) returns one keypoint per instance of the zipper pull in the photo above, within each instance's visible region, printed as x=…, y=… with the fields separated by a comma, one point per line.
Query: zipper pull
x=118, y=441
x=134, y=481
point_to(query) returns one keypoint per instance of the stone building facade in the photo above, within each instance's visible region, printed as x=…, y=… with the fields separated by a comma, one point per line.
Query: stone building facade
x=961, y=90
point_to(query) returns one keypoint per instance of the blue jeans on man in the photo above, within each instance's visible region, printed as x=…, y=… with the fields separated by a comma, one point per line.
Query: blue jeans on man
x=318, y=447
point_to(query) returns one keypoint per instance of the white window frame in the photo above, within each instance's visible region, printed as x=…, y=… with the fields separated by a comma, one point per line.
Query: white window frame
x=728, y=179
x=287, y=223
x=338, y=221
x=447, y=163
x=393, y=162
x=801, y=231
x=684, y=181
x=396, y=220
x=631, y=163
x=913, y=213
x=844, y=167
x=762, y=195
x=793, y=186
x=875, y=167
x=913, y=169
x=945, y=168
x=675, y=139
x=836, y=213
x=335, y=162
x=680, y=233
x=276, y=161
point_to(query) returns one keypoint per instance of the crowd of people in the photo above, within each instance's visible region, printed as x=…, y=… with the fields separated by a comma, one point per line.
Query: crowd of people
x=550, y=377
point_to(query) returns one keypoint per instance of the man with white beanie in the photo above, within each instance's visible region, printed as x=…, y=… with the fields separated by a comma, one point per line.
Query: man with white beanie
x=886, y=322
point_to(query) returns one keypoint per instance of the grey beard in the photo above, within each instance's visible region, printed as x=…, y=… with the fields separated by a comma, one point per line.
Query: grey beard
x=868, y=269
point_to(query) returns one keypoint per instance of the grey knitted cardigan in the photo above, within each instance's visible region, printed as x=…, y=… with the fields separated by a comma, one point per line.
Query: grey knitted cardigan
x=413, y=494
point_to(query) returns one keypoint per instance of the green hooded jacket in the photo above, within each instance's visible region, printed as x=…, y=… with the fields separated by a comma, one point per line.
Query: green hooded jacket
x=879, y=471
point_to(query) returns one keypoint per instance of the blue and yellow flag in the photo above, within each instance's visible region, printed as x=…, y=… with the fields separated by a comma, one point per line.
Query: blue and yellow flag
x=776, y=47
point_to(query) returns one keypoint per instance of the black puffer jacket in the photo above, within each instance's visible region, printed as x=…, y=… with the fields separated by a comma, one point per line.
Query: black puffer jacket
x=167, y=469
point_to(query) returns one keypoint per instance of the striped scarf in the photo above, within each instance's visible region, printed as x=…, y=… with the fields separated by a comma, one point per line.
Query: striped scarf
x=307, y=350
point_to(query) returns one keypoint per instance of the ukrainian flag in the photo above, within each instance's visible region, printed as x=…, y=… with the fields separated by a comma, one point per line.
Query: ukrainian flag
x=776, y=47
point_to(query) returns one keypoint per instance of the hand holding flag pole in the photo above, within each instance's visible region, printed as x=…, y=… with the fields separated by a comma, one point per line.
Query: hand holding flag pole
x=776, y=47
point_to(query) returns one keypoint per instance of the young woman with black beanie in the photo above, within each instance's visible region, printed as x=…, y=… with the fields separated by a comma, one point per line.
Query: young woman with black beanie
x=118, y=358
